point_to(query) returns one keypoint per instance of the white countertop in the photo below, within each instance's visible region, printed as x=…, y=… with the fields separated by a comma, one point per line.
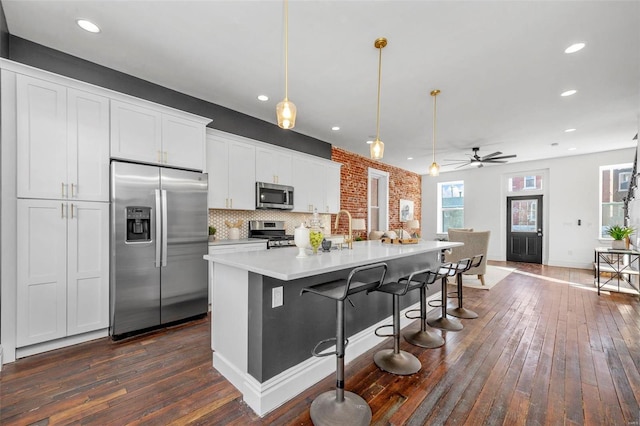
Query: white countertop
x=282, y=263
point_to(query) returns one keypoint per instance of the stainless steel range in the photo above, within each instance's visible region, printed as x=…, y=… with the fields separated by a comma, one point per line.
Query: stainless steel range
x=271, y=230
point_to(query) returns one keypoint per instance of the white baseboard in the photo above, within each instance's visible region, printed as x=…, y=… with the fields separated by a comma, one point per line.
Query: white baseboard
x=60, y=343
x=267, y=396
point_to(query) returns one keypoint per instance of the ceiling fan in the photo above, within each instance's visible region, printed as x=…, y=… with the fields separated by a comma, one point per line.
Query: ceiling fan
x=492, y=158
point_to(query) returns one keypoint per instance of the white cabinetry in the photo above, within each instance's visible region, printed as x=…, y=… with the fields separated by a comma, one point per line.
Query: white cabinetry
x=147, y=135
x=63, y=262
x=273, y=166
x=63, y=142
x=317, y=185
x=231, y=168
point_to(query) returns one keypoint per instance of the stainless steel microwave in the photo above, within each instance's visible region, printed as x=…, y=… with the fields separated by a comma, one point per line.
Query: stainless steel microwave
x=274, y=196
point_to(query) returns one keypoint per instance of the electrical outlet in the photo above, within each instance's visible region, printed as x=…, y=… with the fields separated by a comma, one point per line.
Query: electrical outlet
x=277, y=297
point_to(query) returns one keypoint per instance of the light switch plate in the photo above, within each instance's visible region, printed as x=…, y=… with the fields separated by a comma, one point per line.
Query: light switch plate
x=277, y=297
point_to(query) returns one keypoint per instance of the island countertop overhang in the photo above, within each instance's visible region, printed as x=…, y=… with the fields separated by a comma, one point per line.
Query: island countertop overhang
x=283, y=264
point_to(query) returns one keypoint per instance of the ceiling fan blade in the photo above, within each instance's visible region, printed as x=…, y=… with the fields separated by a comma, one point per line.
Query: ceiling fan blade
x=494, y=161
x=463, y=165
x=503, y=157
x=487, y=157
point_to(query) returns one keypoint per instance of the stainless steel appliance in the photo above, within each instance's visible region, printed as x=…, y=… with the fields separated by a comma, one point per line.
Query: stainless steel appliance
x=274, y=196
x=159, y=220
x=271, y=230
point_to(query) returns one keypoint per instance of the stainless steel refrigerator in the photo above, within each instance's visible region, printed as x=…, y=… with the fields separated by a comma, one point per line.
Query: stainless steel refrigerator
x=159, y=232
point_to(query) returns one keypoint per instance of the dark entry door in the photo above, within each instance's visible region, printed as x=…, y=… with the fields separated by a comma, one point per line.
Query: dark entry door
x=524, y=229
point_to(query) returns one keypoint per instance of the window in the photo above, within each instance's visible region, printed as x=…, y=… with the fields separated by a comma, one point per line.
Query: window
x=525, y=183
x=623, y=181
x=378, y=200
x=614, y=185
x=450, y=205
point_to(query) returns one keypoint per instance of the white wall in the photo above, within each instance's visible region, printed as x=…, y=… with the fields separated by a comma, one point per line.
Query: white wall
x=571, y=193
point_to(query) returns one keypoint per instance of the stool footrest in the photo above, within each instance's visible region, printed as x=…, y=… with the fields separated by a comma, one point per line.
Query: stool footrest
x=452, y=294
x=406, y=314
x=383, y=335
x=435, y=303
x=315, y=352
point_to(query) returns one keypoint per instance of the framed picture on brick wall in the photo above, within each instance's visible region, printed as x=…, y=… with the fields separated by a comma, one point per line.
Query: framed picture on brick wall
x=406, y=210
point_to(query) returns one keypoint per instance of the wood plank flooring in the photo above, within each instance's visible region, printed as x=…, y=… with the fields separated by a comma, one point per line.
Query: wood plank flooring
x=545, y=350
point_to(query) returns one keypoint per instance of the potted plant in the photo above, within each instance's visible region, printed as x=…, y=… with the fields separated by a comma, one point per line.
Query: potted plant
x=620, y=235
x=212, y=233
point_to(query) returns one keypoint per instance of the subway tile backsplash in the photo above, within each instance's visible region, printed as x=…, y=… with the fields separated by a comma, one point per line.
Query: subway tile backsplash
x=291, y=220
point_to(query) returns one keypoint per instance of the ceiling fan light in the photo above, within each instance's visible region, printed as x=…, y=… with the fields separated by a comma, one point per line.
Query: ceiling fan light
x=434, y=169
x=286, y=113
x=376, y=149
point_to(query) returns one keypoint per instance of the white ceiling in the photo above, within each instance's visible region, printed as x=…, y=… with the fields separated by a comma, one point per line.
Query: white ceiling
x=500, y=66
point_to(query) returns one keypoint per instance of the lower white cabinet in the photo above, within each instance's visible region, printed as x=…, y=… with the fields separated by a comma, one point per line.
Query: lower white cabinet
x=63, y=269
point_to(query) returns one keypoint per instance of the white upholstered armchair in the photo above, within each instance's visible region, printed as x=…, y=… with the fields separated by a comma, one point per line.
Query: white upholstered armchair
x=475, y=242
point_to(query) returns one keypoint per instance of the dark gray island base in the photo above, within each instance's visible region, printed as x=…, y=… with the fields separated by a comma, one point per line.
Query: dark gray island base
x=265, y=351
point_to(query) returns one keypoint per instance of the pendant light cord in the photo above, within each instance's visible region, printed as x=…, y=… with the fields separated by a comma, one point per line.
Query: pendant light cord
x=379, y=80
x=286, y=49
x=434, y=128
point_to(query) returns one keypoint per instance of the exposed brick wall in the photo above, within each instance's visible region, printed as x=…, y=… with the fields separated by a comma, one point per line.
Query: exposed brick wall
x=403, y=184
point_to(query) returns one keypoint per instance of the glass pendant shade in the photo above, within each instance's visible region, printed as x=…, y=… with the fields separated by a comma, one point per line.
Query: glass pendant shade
x=286, y=113
x=377, y=149
x=434, y=169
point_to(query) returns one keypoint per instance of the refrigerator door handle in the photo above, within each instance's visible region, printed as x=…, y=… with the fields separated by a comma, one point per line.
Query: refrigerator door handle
x=158, y=228
x=164, y=227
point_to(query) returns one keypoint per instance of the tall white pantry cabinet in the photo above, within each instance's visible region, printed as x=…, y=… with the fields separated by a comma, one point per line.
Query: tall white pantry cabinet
x=62, y=211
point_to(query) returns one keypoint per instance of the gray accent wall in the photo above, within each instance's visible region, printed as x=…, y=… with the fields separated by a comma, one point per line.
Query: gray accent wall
x=280, y=338
x=225, y=119
x=4, y=34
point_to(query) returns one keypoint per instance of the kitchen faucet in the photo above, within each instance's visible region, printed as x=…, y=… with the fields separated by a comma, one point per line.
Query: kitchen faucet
x=349, y=239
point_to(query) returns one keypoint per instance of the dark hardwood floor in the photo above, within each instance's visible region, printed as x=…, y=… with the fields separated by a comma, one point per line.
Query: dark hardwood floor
x=545, y=350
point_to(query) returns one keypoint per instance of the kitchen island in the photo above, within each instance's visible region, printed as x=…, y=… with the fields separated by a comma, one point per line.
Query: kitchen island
x=263, y=330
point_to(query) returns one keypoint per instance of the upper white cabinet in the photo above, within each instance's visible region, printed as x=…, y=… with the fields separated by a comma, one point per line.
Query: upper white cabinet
x=62, y=269
x=140, y=133
x=317, y=185
x=63, y=142
x=231, y=168
x=273, y=166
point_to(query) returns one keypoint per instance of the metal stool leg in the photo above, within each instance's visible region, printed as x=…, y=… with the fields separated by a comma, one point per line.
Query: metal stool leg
x=460, y=311
x=444, y=323
x=394, y=360
x=423, y=337
x=341, y=407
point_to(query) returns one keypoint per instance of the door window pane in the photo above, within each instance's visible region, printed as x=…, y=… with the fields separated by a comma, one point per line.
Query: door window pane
x=524, y=215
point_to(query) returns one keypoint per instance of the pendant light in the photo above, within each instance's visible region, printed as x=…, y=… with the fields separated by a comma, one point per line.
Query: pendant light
x=434, y=169
x=377, y=147
x=286, y=110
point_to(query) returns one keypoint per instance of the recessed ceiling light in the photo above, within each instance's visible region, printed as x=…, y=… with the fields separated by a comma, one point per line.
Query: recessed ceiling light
x=409, y=158
x=335, y=128
x=88, y=26
x=555, y=144
x=574, y=48
x=569, y=92
x=263, y=98
x=570, y=130
x=369, y=142
x=571, y=149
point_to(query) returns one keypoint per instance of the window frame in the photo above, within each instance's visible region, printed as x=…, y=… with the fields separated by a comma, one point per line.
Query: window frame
x=440, y=209
x=612, y=204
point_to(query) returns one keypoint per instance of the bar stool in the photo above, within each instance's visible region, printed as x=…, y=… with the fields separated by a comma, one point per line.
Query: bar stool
x=394, y=360
x=423, y=337
x=460, y=311
x=444, y=323
x=343, y=407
